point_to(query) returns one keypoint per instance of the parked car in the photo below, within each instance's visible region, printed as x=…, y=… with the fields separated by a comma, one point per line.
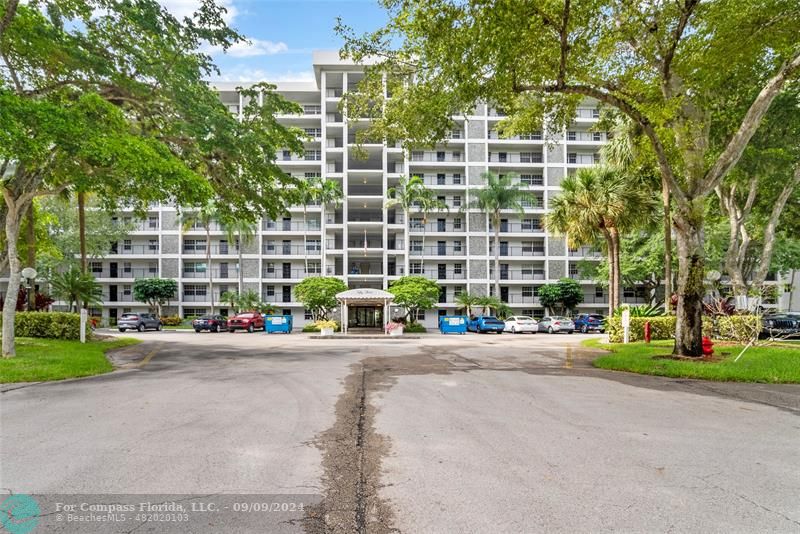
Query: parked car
x=485, y=323
x=249, y=321
x=780, y=325
x=212, y=323
x=590, y=322
x=519, y=324
x=555, y=324
x=138, y=321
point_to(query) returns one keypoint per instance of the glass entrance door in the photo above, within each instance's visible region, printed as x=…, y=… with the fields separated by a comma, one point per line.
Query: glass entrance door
x=365, y=316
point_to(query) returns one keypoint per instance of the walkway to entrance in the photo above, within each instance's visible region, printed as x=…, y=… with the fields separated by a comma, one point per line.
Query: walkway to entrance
x=364, y=308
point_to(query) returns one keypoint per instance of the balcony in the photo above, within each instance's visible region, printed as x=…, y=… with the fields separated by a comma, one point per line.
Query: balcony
x=126, y=274
x=218, y=250
x=575, y=158
x=370, y=243
x=216, y=274
x=443, y=179
x=587, y=113
x=362, y=268
x=585, y=252
x=519, y=274
x=290, y=226
x=439, y=274
x=586, y=137
x=308, y=156
x=521, y=299
x=526, y=227
x=518, y=251
x=438, y=250
x=515, y=157
x=312, y=109
x=125, y=250
x=437, y=227
x=138, y=226
x=290, y=274
x=120, y=297
x=437, y=157
x=292, y=250
x=535, y=136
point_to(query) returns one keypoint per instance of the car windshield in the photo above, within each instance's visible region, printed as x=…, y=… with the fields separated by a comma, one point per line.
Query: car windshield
x=598, y=317
x=206, y=317
x=559, y=318
x=244, y=316
x=524, y=318
x=130, y=316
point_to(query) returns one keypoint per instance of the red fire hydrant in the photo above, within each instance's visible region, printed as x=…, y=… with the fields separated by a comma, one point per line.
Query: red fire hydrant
x=647, y=332
x=708, y=347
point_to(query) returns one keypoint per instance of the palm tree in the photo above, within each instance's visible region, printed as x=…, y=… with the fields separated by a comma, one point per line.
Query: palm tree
x=500, y=193
x=75, y=287
x=242, y=233
x=427, y=202
x=232, y=298
x=205, y=217
x=467, y=301
x=324, y=192
x=600, y=203
x=405, y=195
x=489, y=303
x=249, y=300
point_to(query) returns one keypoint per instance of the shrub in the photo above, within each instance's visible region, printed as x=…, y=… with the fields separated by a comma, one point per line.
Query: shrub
x=414, y=328
x=741, y=328
x=52, y=325
x=171, y=320
x=660, y=328
x=311, y=327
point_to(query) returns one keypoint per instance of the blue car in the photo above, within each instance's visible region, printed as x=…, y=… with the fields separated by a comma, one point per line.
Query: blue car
x=590, y=322
x=485, y=323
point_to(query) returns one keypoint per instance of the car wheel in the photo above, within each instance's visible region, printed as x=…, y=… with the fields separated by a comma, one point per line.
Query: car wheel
x=602, y=331
x=140, y=328
x=231, y=330
x=570, y=331
x=499, y=332
x=197, y=330
x=513, y=329
x=158, y=328
x=250, y=329
x=584, y=329
x=122, y=329
x=549, y=329
x=215, y=329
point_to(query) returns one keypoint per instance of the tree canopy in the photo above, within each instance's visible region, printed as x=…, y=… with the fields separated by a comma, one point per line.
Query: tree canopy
x=155, y=291
x=318, y=294
x=561, y=297
x=414, y=293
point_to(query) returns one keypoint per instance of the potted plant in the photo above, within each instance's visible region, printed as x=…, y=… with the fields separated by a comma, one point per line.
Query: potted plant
x=394, y=328
x=326, y=328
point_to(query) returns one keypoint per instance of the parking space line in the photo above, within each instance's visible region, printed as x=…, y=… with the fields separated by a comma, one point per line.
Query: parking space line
x=568, y=361
x=149, y=356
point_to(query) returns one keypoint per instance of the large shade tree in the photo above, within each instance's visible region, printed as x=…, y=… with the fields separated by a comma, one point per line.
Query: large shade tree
x=109, y=97
x=676, y=69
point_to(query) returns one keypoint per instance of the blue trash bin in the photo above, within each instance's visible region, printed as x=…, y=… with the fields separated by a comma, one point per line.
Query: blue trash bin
x=278, y=323
x=453, y=324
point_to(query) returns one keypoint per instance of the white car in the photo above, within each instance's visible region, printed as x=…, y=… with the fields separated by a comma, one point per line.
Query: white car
x=520, y=324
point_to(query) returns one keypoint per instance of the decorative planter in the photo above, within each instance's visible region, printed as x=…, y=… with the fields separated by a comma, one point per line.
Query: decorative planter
x=326, y=331
x=396, y=331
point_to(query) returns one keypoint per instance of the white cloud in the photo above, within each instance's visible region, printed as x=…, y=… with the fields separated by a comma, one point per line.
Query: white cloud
x=254, y=47
x=185, y=8
x=243, y=73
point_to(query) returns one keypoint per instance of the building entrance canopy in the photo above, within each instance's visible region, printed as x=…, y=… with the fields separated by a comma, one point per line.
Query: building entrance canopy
x=363, y=297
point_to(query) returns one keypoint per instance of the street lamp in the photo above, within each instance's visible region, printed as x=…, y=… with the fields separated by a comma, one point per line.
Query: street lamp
x=29, y=274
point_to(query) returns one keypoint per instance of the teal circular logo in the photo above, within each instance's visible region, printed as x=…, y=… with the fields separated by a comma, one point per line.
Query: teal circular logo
x=19, y=514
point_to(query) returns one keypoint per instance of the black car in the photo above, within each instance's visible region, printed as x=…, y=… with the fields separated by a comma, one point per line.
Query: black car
x=212, y=323
x=780, y=325
x=138, y=321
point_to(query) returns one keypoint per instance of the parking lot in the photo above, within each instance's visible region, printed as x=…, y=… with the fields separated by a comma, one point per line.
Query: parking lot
x=474, y=433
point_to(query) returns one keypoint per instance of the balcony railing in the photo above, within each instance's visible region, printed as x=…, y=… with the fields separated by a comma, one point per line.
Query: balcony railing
x=365, y=268
x=438, y=227
x=287, y=226
x=593, y=137
x=119, y=298
x=292, y=250
x=436, y=274
x=310, y=155
x=587, y=113
x=231, y=272
x=121, y=273
x=519, y=227
x=375, y=243
x=537, y=136
x=438, y=250
x=219, y=250
x=513, y=157
x=585, y=252
x=441, y=157
x=519, y=274
x=583, y=159
x=521, y=299
x=122, y=250
x=518, y=251
x=290, y=274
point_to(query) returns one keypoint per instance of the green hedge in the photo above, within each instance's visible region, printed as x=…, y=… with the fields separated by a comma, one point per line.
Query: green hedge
x=660, y=328
x=414, y=328
x=52, y=325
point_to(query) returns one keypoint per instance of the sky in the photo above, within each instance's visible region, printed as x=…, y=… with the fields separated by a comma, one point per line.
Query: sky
x=283, y=33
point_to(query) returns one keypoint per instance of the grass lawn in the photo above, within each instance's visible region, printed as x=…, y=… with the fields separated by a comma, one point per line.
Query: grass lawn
x=759, y=364
x=50, y=359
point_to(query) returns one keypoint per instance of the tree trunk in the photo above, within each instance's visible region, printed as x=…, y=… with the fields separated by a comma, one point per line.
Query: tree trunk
x=665, y=198
x=617, y=273
x=497, y=256
x=31, y=256
x=82, y=228
x=12, y=290
x=241, y=266
x=208, y=266
x=691, y=266
x=408, y=241
x=612, y=270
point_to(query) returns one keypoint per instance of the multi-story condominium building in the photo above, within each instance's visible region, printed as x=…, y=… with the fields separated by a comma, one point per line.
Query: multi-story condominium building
x=362, y=241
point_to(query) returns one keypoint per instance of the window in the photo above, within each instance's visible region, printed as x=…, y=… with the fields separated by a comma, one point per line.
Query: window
x=194, y=267
x=525, y=157
x=572, y=157
x=194, y=245
x=597, y=136
x=126, y=290
x=416, y=267
x=126, y=267
x=97, y=267
x=598, y=292
x=286, y=311
x=538, y=314
x=313, y=245
x=456, y=156
x=533, y=136
x=192, y=290
x=417, y=155
x=307, y=315
x=595, y=113
x=416, y=223
x=596, y=157
x=312, y=155
x=528, y=312
x=152, y=222
x=629, y=292
x=269, y=291
x=269, y=246
x=457, y=246
x=457, y=178
x=126, y=245
x=152, y=245
x=416, y=245
x=457, y=223
x=314, y=268
x=571, y=136
x=269, y=268
x=527, y=292
x=440, y=156
x=312, y=175
x=420, y=315
x=313, y=132
x=441, y=179
x=536, y=291
x=193, y=312
x=457, y=268
x=456, y=201
x=442, y=312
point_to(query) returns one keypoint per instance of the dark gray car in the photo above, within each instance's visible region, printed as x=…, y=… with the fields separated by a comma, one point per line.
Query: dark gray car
x=138, y=321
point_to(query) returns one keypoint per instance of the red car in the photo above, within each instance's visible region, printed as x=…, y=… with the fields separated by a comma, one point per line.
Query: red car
x=249, y=321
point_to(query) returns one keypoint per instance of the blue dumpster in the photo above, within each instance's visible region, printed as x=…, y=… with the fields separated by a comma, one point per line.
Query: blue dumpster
x=278, y=323
x=453, y=324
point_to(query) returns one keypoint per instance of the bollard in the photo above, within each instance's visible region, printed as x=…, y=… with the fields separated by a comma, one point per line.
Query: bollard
x=84, y=316
x=647, y=332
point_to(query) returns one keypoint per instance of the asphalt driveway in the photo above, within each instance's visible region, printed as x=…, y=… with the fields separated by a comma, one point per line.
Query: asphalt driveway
x=438, y=434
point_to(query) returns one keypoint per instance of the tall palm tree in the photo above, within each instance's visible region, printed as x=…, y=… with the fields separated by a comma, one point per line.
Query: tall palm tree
x=467, y=301
x=621, y=152
x=322, y=191
x=204, y=216
x=231, y=298
x=426, y=203
x=242, y=233
x=404, y=195
x=600, y=203
x=489, y=303
x=500, y=193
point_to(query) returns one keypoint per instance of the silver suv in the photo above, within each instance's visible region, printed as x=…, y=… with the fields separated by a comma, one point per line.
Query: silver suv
x=138, y=321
